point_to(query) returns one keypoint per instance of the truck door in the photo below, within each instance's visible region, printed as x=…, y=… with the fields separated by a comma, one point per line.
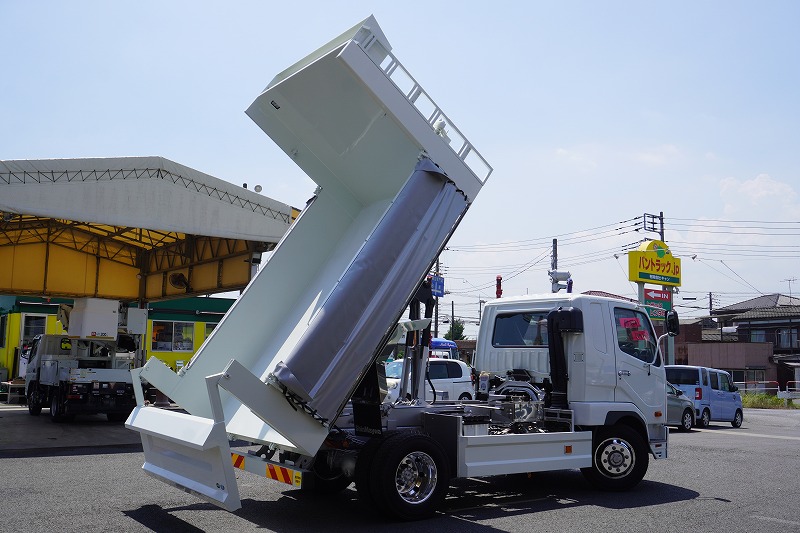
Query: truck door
x=640, y=370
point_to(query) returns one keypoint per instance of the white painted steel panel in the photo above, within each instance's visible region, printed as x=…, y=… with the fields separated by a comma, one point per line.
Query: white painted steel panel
x=489, y=455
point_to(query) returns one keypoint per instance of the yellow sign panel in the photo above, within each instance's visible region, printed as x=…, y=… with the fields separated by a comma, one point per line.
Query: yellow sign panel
x=654, y=263
x=654, y=246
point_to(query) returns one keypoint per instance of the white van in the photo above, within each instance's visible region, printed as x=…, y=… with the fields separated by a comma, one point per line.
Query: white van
x=715, y=396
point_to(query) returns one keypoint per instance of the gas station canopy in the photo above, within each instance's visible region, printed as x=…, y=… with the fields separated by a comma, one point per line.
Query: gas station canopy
x=129, y=228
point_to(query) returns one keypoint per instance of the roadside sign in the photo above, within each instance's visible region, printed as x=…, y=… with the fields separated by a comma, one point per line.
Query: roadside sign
x=437, y=286
x=654, y=267
x=660, y=299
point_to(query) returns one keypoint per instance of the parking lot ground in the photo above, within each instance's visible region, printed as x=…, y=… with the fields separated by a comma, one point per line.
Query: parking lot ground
x=21, y=433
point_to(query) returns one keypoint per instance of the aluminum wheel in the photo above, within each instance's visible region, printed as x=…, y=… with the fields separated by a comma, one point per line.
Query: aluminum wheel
x=415, y=479
x=686, y=421
x=738, y=418
x=615, y=458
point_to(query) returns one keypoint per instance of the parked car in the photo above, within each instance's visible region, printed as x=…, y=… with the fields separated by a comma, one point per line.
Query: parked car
x=680, y=409
x=715, y=396
x=452, y=379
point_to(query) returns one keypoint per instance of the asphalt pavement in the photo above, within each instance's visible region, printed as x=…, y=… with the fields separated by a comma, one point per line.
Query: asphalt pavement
x=20, y=432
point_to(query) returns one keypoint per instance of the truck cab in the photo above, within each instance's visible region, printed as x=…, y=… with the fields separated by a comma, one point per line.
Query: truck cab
x=612, y=369
x=80, y=376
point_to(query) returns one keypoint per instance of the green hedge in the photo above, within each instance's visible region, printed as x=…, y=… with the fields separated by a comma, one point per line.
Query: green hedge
x=765, y=401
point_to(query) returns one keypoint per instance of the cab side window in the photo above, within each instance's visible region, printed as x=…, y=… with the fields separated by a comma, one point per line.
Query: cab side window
x=724, y=383
x=635, y=335
x=520, y=330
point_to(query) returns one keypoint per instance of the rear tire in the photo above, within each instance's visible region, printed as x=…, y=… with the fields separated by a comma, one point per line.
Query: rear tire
x=363, y=472
x=619, y=458
x=410, y=476
x=687, y=420
x=56, y=408
x=738, y=418
x=34, y=399
x=464, y=396
x=705, y=419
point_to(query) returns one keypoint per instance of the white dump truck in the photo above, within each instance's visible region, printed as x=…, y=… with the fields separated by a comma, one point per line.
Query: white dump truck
x=293, y=367
x=86, y=370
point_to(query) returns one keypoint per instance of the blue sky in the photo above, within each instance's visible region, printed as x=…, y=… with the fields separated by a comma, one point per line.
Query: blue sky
x=591, y=113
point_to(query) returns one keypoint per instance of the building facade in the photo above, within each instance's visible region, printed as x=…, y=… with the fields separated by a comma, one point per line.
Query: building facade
x=175, y=328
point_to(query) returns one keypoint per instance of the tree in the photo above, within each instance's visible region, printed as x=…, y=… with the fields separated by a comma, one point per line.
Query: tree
x=456, y=332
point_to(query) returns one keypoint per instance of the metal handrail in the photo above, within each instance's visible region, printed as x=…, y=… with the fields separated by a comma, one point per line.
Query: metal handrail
x=397, y=74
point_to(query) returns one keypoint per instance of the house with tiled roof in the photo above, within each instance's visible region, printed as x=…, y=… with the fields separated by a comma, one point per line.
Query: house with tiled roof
x=777, y=326
x=755, y=340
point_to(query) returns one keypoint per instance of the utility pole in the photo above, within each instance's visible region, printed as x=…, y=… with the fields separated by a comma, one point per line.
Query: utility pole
x=555, y=275
x=452, y=319
x=656, y=225
x=436, y=308
x=649, y=223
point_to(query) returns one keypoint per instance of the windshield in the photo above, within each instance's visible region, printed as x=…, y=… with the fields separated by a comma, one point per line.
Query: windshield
x=394, y=369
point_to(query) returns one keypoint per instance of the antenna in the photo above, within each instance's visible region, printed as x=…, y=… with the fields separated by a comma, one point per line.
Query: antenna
x=790, y=281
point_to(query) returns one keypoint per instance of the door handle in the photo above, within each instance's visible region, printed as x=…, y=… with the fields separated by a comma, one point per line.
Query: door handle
x=624, y=373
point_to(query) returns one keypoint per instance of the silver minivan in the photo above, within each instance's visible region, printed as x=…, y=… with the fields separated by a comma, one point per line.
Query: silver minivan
x=715, y=396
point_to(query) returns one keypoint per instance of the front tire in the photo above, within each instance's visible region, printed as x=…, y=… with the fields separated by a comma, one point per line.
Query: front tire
x=410, y=476
x=464, y=396
x=619, y=459
x=687, y=420
x=738, y=418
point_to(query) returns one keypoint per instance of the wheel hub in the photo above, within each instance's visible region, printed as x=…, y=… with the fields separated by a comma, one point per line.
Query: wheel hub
x=416, y=476
x=616, y=458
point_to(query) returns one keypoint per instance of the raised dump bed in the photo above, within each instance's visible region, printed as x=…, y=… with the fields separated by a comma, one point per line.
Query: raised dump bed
x=395, y=177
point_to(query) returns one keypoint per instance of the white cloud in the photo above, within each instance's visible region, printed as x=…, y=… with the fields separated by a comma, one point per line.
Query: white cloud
x=762, y=197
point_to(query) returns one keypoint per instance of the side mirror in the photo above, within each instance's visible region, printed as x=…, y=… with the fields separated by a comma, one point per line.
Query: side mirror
x=673, y=325
x=734, y=388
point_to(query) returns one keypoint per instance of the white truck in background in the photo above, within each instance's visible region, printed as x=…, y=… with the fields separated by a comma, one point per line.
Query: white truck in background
x=87, y=370
x=293, y=367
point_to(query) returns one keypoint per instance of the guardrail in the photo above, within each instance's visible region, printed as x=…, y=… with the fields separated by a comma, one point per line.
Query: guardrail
x=758, y=387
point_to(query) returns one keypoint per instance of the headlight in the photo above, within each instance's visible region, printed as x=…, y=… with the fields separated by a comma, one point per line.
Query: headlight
x=392, y=385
